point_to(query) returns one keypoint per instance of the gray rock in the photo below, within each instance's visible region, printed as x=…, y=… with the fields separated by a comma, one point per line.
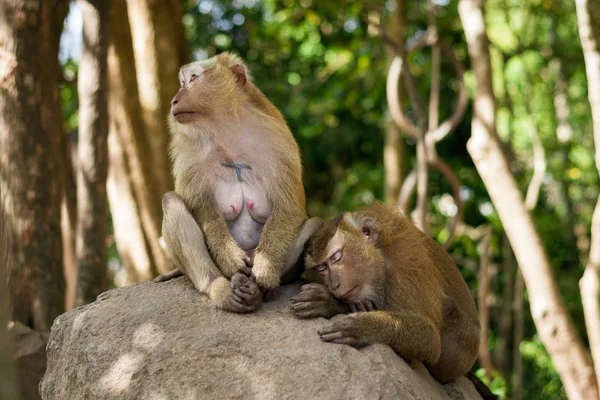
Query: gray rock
x=166, y=341
x=30, y=355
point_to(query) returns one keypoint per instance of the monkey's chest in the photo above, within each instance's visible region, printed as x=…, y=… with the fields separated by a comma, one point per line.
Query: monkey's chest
x=243, y=203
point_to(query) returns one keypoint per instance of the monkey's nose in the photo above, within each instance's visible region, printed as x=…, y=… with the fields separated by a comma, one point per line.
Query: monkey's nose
x=174, y=101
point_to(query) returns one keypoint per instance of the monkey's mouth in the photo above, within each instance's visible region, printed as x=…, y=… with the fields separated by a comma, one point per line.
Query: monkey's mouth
x=183, y=116
x=350, y=293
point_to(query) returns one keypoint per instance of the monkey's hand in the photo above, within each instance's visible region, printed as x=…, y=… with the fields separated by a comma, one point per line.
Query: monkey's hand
x=346, y=330
x=363, y=306
x=267, y=275
x=245, y=291
x=315, y=300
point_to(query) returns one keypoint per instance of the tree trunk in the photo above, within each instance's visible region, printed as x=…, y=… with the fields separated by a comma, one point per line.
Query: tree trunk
x=482, y=296
x=129, y=234
x=68, y=223
x=156, y=45
x=28, y=137
x=9, y=389
x=552, y=321
x=588, y=16
x=517, y=378
x=126, y=121
x=394, y=150
x=68, y=209
x=92, y=278
x=501, y=353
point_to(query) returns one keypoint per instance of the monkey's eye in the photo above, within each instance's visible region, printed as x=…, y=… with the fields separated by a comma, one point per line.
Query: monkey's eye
x=321, y=268
x=193, y=78
x=336, y=256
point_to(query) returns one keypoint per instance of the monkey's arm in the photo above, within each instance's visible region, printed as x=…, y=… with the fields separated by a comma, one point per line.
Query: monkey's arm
x=411, y=335
x=226, y=253
x=315, y=300
x=275, y=241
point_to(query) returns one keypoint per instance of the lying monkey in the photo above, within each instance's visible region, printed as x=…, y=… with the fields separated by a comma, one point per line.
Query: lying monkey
x=238, y=208
x=400, y=287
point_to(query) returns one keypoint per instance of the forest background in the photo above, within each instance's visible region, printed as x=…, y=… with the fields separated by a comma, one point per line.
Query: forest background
x=478, y=123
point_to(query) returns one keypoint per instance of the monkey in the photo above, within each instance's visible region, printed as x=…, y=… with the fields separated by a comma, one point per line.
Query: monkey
x=396, y=285
x=236, y=222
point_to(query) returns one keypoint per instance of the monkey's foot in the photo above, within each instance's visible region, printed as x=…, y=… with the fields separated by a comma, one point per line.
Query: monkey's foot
x=175, y=273
x=313, y=301
x=345, y=330
x=245, y=291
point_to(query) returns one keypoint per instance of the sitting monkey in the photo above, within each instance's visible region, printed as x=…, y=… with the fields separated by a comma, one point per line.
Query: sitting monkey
x=400, y=287
x=238, y=208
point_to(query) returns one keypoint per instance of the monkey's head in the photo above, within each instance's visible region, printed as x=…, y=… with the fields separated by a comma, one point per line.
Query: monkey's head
x=210, y=89
x=346, y=256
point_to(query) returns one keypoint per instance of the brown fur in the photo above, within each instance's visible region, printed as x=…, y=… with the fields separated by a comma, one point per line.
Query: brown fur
x=408, y=291
x=219, y=118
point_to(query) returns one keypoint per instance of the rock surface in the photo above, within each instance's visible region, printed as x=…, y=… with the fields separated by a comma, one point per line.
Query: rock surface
x=30, y=354
x=166, y=341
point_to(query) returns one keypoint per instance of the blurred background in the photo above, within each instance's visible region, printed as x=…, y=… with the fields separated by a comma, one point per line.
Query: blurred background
x=511, y=194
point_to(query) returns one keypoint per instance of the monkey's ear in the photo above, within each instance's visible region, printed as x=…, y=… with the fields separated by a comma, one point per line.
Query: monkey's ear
x=369, y=229
x=240, y=73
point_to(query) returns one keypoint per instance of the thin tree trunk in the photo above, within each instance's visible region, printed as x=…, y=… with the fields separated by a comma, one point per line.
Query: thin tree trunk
x=588, y=16
x=129, y=234
x=502, y=358
x=9, y=388
x=157, y=61
x=394, y=150
x=92, y=274
x=127, y=122
x=31, y=197
x=68, y=223
x=482, y=296
x=552, y=321
x=519, y=304
x=68, y=208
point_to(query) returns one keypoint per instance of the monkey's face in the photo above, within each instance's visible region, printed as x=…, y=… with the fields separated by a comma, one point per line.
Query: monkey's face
x=208, y=89
x=347, y=259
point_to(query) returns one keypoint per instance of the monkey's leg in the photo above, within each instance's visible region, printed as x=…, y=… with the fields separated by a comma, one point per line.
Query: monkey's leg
x=185, y=246
x=460, y=345
x=315, y=300
x=411, y=335
x=228, y=256
x=294, y=264
x=272, y=252
x=174, y=273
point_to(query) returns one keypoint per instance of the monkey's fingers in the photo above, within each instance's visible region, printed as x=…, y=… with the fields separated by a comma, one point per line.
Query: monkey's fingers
x=309, y=296
x=238, y=280
x=249, y=261
x=245, y=270
x=370, y=306
x=332, y=336
x=249, y=289
x=312, y=286
x=241, y=297
x=237, y=305
x=306, y=305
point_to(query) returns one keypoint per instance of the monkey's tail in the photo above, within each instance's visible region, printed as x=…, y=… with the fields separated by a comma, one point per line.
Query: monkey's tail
x=484, y=391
